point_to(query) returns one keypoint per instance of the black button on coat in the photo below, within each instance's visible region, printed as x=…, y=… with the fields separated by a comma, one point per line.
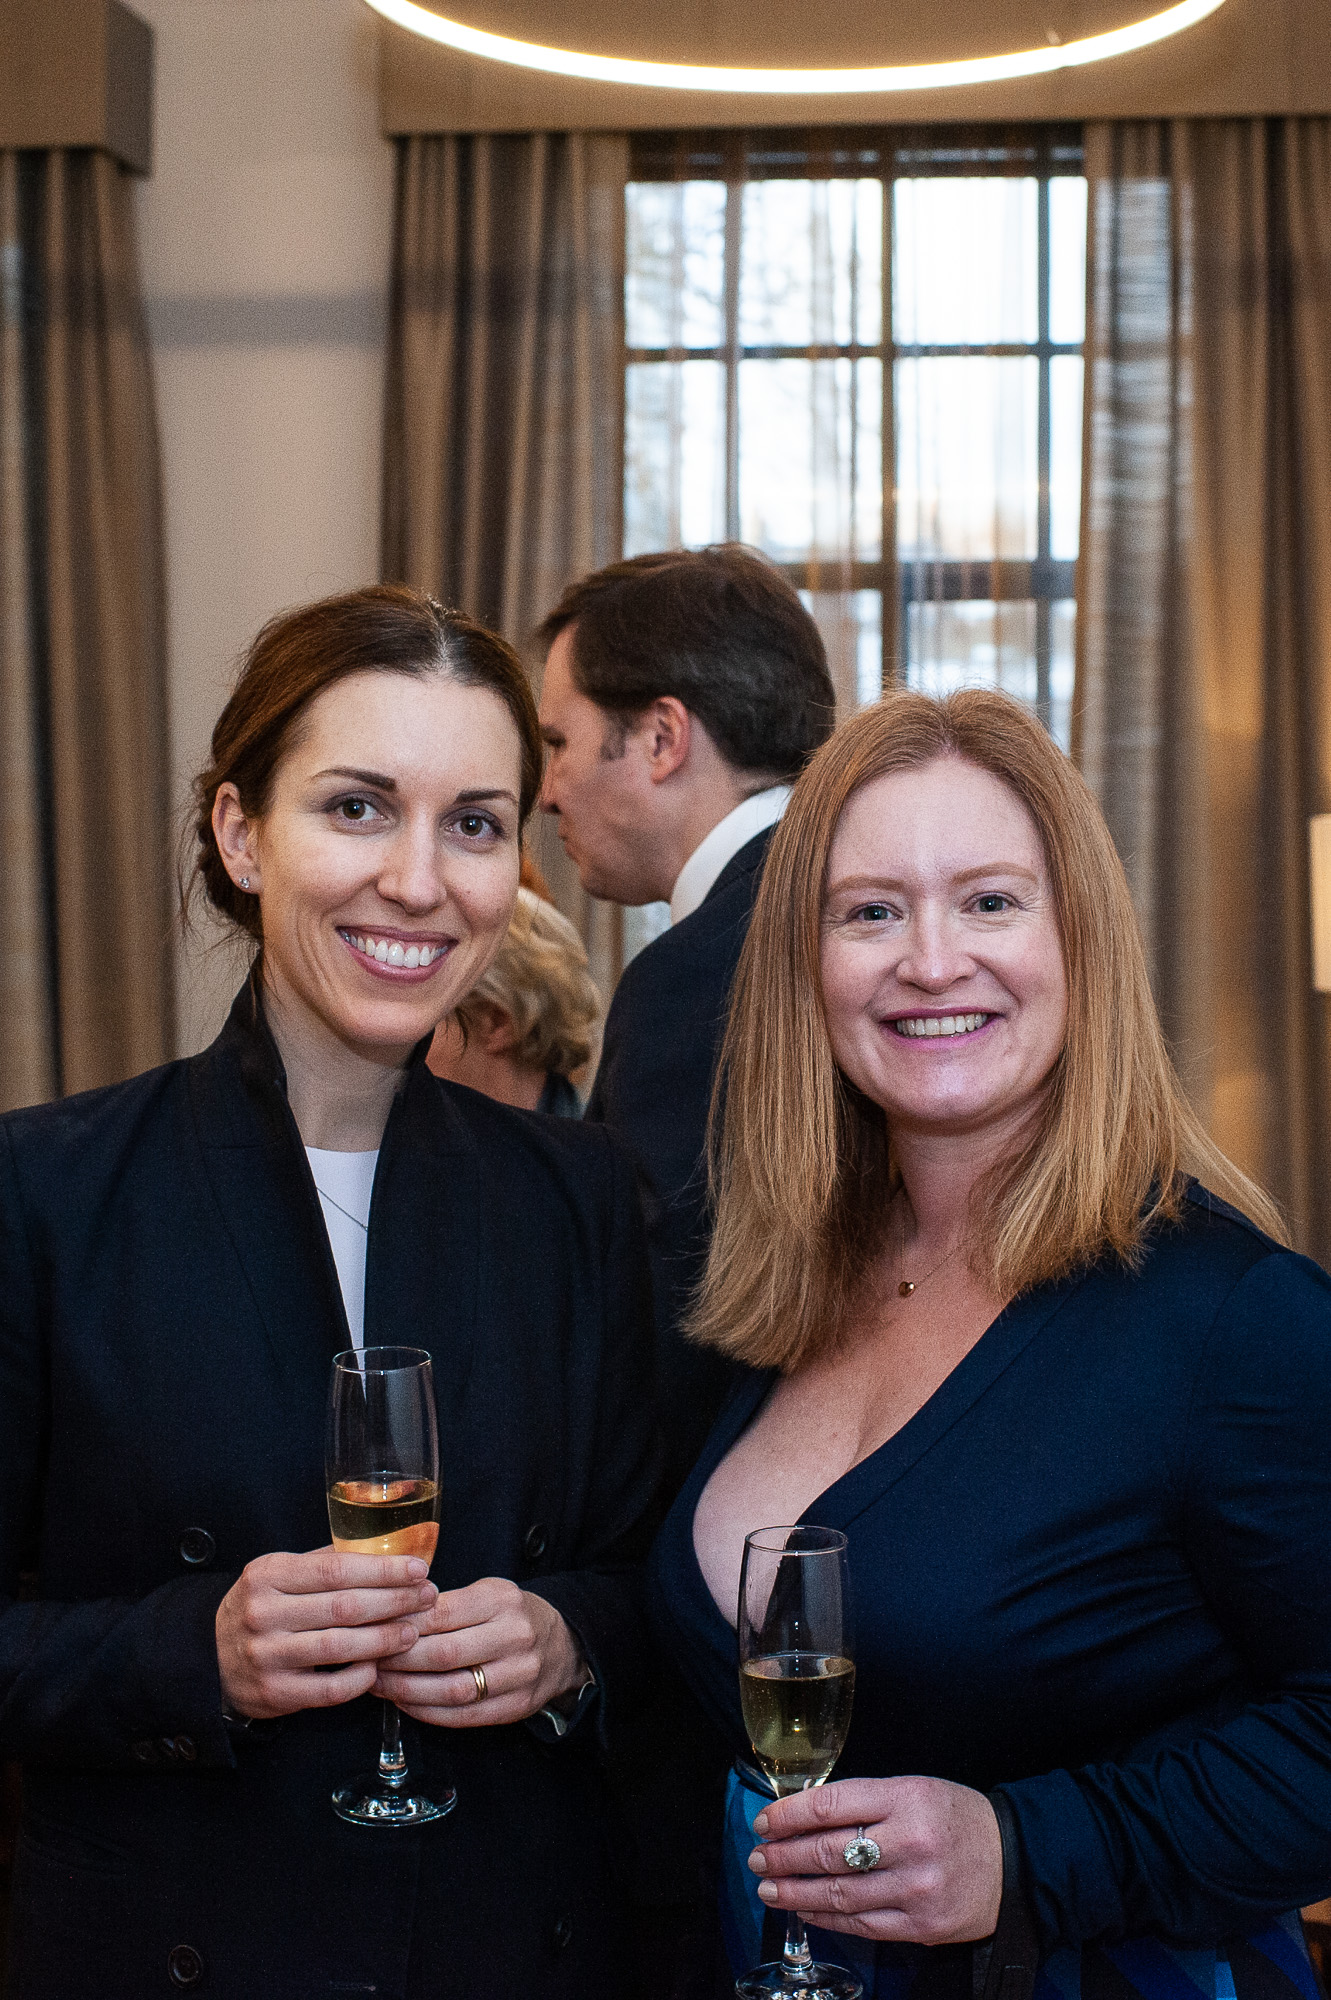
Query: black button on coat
x=169, y=1309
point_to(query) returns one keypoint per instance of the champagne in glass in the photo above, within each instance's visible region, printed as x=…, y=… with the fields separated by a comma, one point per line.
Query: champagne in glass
x=384, y=1517
x=796, y=1685
x=382, y=1476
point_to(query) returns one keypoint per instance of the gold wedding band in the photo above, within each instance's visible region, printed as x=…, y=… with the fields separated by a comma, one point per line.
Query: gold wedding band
x=478, y=1675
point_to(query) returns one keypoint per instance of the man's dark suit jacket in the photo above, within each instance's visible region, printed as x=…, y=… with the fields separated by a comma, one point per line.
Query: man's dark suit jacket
x=654, y=1089
x=169, y=1308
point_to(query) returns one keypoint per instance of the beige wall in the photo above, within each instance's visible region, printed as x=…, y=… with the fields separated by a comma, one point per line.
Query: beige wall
x=265, y=245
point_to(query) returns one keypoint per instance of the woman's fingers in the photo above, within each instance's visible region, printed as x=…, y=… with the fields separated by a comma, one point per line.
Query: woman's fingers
x=490, y=1598
x=290, y=1621
x=939, y=1878
x=448, y=1652
x=522, y=1645
x=845, y=1802
x=819, y=1853
x=489, y=1714
x=436, y=1671
x=322, y=1570
x=350, y=1607
x=454, y=1692
x=843, y=1895
x=335, y=1646
x=289, y=1693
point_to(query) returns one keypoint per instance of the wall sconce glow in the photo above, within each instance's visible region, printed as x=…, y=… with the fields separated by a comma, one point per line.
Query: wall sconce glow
x=804, y=82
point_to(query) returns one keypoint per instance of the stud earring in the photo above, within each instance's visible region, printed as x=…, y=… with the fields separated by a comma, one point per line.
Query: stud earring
x=244, y=881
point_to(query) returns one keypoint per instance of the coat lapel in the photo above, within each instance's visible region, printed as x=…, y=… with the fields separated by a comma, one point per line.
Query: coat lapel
x=423, y=1258
x=423, y=1266
x=261, y=1181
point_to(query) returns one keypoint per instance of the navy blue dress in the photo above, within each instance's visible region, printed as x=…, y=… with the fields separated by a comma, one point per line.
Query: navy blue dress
x=1094, y=1571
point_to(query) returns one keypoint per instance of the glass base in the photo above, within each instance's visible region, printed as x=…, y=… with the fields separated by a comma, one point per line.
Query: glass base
x=819, y=1982
x=369, y=1801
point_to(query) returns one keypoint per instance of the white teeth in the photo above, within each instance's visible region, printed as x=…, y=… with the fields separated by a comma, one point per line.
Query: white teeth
x=386, y=951
x=922, y=1027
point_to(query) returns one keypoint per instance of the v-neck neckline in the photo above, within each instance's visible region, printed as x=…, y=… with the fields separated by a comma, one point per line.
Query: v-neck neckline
x=841, y=1502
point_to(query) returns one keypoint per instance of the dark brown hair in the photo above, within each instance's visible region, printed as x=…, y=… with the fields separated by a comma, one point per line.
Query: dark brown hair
x=383, y=628
x=722, y=631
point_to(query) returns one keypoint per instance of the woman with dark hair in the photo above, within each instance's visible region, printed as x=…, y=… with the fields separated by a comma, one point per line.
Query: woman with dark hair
x=1026, y=1337
x=186, y=1667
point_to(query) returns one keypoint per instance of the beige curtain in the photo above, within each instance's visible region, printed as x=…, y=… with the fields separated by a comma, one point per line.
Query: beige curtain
x=1204, y=668
x=503, y=454
x=85, y=988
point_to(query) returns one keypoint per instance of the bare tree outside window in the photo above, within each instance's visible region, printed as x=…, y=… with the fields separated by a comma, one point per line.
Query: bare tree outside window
x=773, y=287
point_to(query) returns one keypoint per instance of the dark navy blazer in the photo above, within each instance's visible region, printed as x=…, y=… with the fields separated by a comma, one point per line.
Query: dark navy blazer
x=168, y=1311
x=653, y=1089
x=1094, y=1571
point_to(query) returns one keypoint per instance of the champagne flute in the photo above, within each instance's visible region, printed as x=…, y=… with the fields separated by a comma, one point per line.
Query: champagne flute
x=796, y=1685
x=382, y=1476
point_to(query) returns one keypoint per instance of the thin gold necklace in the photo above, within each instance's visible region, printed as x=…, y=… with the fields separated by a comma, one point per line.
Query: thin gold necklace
x=906, y=1286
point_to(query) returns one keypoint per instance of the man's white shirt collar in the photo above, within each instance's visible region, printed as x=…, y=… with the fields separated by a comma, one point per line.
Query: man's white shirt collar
x=749, y=818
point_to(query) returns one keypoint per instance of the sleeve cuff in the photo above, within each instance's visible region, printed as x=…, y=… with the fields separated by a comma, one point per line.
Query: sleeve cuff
x=1006, y=1964
x=559, y=1719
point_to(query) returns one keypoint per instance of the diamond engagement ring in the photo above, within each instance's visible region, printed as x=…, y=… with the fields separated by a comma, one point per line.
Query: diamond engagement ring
x=478, y=1675
x=862, y=1853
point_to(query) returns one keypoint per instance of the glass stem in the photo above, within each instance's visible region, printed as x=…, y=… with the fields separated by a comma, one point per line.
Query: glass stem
x=797, y=1959
x=392, y=1760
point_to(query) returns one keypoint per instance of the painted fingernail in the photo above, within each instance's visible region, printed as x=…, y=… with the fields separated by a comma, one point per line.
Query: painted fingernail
x=760, y=1824
x=758, y=1861
x=767, y=1891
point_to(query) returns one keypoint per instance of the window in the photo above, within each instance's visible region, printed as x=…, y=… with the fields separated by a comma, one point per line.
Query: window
x=771, y=291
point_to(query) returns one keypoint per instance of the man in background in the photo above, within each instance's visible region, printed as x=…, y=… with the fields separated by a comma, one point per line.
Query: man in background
x=683, y=694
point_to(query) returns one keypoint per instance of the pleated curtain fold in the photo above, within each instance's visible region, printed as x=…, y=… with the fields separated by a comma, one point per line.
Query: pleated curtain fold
x=503, y=449
x=1203, y=717
x=85, y=981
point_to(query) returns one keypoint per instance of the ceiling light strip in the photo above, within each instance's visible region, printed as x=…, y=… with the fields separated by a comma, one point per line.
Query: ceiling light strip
x=802, y=82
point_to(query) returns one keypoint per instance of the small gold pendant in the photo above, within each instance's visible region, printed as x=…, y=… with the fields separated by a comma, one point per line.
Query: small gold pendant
x=905, y=1288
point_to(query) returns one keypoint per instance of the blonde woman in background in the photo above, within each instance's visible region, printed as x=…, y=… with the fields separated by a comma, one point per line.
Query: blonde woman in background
x=530, y=1024
x=1069, y=1404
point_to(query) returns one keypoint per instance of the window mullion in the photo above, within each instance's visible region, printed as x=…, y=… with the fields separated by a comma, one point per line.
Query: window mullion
x=734, y=232
x=891, y=614
x=1043, y=703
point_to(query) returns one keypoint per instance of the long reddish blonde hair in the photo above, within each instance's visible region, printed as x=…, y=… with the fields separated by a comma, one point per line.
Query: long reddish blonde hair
x=801, y=1162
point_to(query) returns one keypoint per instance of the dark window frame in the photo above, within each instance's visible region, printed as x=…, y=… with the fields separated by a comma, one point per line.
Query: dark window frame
x=1038, y=153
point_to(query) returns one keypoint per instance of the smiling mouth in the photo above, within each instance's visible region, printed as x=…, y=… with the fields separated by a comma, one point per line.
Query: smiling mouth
x=399, y=955
x=935, y=1027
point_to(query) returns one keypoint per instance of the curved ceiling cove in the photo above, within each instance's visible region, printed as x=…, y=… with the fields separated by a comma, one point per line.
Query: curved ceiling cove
x=989, y=68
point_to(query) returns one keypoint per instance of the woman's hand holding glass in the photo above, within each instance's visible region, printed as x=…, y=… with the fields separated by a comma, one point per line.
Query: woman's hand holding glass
x=524, y=1651
x=308, y=1631
x=939, y=1879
